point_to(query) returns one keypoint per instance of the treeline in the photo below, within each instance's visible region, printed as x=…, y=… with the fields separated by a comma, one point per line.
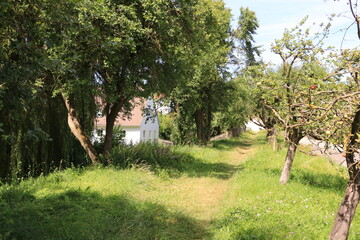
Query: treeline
x=57, y=56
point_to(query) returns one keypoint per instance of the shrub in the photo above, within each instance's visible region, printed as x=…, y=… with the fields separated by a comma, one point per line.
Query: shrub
x=151, y=154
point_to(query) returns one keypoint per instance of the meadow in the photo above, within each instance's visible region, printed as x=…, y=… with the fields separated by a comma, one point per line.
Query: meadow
x=226, y=190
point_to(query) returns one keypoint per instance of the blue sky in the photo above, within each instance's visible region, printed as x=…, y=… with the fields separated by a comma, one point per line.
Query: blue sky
x=276, y=15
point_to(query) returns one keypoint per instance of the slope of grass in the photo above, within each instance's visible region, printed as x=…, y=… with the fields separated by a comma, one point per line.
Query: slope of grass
x=89, y=204
x=157, y=198
x=258, y=207
x=227, y=190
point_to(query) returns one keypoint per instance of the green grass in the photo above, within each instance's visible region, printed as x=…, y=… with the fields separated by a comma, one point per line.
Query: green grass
x=261, y=208
x=191, y=161
x=160, y=198
x=89, y=204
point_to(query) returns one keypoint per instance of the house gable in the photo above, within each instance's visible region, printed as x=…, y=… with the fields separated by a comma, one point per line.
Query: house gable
x=141, y=125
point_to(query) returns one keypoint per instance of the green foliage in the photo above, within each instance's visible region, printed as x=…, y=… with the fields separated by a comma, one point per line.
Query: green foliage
x=35, y=137
x=201, y=93
x=315, y=87
x=237, y=105
x=76, y=50
x=117, y=138
x=291, y=95
x=244, y=34
x=184, y=131
x=167, y=125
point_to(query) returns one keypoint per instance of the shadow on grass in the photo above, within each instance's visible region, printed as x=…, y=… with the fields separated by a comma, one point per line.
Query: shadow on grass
x=84, y=214
x=197, y=168
x=176, y=162
x=231, y=143
x=318, y=180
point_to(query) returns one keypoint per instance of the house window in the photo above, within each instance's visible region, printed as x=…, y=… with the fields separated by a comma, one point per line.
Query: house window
x=144, y=134
x=150, y=134
x=100, y=132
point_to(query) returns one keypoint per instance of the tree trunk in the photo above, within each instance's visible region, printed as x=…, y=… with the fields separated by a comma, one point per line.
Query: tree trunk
x=76, y=129
x=295, y=137
x=110, y=122
x=5, y=161
x=200, y=125
x=348, y=206
x=346, y=212
x=271, y=137
x=109, y=129
x=285, y=174
x=235, y=132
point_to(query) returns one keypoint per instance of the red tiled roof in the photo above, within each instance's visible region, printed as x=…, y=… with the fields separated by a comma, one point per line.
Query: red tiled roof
x=134, y=120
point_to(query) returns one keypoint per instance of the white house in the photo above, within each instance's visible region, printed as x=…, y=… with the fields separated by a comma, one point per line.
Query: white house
x=143, y=124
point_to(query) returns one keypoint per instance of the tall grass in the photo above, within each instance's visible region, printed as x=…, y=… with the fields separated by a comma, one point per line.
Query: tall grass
x=146, y=153
x=176, y=161
x=89, y=204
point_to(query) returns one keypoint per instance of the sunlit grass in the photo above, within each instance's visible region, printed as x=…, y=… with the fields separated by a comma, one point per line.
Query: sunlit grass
x=226, y=190
x=258, y=207
x=97, y=203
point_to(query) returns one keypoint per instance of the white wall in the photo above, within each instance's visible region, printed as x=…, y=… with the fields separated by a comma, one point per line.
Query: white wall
x=149, y=129
x=149, y=126
x=95, y=136
x=132, y=135
x=135, y=134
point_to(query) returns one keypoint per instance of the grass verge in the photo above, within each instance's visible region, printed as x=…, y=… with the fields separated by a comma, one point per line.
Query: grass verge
x=258, y=207
x=89, y=204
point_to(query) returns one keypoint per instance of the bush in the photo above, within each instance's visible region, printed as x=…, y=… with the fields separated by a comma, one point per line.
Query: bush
x=117, y=138
x=151, y=154
x=166, y=125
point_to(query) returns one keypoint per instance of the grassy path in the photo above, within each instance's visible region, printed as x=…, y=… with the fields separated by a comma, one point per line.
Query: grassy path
x=228, y=190
x=108, y=203
x=203, y=196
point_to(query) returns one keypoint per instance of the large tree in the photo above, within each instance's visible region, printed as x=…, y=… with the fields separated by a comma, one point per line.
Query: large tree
x=260, y=114
x=244, y=35
x=143, y=56
x=349, y=134
x=300, y=53
x=199, y=96
x=34, y=136
x=120, y=50
x=251, y=71
x=57, y=56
